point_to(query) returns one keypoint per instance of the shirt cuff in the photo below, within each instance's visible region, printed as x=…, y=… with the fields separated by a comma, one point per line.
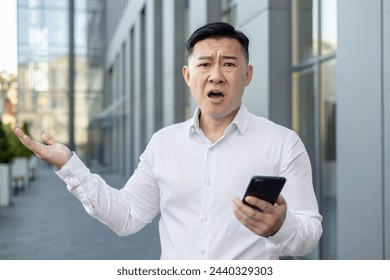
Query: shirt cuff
x=73, y=171
x=286, y=231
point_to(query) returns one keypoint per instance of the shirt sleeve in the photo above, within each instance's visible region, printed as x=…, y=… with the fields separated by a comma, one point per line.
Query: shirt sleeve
x=302, y=227
x=125, y=211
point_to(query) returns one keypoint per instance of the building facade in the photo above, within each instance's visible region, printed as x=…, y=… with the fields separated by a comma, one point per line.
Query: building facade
x=60, y=73
x=320, y=68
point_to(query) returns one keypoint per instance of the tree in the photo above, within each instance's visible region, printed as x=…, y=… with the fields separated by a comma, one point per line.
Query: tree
x=6, y=81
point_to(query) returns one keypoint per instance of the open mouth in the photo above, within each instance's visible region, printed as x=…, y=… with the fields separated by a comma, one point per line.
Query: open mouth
x=215, y=94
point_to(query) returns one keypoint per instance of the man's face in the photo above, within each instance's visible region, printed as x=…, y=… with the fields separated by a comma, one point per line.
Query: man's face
x=217, y=73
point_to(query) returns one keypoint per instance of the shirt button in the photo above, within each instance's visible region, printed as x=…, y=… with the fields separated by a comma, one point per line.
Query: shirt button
x=204, y=218
x=202, y=253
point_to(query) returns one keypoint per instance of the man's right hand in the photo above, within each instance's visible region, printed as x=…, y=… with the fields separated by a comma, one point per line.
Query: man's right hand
x=54, y=153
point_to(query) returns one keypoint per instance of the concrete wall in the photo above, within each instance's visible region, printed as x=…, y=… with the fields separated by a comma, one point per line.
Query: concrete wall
x=363, y=129
x=386, y=125
x=268, y=25
x=173, y=61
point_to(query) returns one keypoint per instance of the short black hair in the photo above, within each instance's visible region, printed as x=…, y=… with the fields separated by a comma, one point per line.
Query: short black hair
x=218, y=30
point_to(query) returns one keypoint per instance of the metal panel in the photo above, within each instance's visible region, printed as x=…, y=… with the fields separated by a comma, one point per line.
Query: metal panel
x=256, y=96
x=386, y=125
x=359, y=131
x=280, y=65
x=173, y=61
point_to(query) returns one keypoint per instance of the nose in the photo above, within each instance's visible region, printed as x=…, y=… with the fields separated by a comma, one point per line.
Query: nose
x=216, y=75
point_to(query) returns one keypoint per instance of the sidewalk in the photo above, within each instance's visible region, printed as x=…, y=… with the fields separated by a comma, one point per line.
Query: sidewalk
x=46, y=222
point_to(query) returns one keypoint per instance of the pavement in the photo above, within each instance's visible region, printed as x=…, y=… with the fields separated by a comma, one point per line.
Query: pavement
x=46, y=222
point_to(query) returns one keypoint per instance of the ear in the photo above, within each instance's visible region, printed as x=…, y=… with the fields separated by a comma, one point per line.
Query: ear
x=186, y=74
x=249, y=74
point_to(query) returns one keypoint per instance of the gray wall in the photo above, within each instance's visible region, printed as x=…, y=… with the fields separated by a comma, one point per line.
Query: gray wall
x=386, y=124
x=268, y=25
x=363, y=119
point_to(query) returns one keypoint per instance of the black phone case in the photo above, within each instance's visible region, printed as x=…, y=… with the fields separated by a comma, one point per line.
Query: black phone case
x=267, y=188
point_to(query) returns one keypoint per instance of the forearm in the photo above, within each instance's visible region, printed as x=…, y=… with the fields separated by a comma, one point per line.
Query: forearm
x=108, y=205
x=302, y=227
x=298, y=235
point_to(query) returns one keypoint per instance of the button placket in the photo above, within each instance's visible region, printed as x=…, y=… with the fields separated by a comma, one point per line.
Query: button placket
x=207, y=180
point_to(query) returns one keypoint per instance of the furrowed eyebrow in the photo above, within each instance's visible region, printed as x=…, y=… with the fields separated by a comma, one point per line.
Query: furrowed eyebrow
x=204, y=58
x=233, y=57
x=230, y=57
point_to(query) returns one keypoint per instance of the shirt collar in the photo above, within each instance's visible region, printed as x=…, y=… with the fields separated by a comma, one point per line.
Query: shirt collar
x=240, y=121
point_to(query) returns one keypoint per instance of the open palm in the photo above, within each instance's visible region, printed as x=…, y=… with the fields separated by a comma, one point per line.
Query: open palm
x=52, y=152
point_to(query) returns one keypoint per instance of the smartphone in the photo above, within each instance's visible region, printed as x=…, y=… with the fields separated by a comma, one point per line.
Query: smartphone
x=267, y=188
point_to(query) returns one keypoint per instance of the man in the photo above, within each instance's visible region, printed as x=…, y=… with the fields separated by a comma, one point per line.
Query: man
x=195, y=173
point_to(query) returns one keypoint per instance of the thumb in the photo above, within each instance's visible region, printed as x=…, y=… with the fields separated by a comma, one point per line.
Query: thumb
x=48, y=138
x=281, y=200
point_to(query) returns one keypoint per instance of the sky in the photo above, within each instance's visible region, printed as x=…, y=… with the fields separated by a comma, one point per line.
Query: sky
x=8, y=38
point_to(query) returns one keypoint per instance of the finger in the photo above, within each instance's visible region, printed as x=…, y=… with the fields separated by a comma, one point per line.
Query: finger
x=256, y=226
x=18, y=132
x=246, y=213
x=26, y=140
x=259, y=203
x=250, y=211
x=30, y=144
x=48, y=138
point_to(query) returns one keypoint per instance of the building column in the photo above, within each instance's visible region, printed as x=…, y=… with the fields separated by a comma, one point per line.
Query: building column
x=173, y=61
x=268, y=26
x=386, y=123
x=362, y=177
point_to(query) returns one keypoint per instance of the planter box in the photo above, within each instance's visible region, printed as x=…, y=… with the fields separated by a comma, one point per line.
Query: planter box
x=32, y=167
x=20, y=173
x=5, y=185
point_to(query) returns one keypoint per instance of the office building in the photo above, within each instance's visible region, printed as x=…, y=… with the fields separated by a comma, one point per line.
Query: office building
x=320, y=68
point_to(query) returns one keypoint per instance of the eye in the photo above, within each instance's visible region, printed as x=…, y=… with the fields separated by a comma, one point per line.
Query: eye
x=229, y=64
x=204, y=65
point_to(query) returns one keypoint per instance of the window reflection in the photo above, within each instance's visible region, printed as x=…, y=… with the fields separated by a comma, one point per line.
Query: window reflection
x=303, y=108
x=43, y=66
x=328, y=156
x=304, y=31
x=328, y=26
x=314, y=42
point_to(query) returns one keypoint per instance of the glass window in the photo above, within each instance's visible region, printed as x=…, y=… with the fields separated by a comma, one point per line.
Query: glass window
x=328, y=26
x=303, y=104
x=60, y=4
x=304, y=30
x=22, y=23
x=56, y=24
x=23, y=3
x=314, y=42
x=328, y=157
x=228, y=11
x=43, y=37
x=81, y=30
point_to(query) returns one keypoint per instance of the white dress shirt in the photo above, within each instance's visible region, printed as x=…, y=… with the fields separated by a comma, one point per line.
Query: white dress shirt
x=192, y=183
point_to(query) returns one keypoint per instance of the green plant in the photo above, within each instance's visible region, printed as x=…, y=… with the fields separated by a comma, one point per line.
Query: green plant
x=26, y=131
x=17, y=148
x=5, y=146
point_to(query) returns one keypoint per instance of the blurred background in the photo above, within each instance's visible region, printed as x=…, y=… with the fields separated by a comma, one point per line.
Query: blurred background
x=103, y=76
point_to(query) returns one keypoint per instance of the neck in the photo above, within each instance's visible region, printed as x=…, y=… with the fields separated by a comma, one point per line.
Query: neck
x=213, y=131
x=213, y=128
